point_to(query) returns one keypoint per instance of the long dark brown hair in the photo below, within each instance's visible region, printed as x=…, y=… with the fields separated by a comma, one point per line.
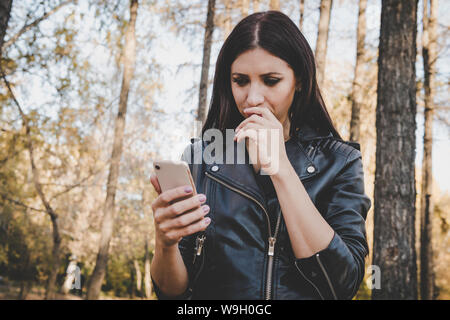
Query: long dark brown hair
x=276, y=33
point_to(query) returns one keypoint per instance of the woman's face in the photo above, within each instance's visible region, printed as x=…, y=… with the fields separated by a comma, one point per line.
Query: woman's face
x=259, y=78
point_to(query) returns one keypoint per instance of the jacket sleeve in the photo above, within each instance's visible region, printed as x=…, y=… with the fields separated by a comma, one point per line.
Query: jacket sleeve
x=186, y=247
x=337, y=271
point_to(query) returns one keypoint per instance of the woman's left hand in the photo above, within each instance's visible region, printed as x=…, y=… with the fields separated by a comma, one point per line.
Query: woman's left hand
x=265, y=141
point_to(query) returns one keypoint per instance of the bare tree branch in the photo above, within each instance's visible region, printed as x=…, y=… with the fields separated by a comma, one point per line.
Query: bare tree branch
x=78, y=184
x=27, y=27
x=5, y=197
x=51, y=283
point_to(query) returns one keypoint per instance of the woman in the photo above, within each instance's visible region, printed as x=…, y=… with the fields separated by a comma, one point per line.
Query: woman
x=295, y=232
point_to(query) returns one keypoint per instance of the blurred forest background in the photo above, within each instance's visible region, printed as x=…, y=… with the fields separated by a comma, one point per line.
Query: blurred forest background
x=93, y=90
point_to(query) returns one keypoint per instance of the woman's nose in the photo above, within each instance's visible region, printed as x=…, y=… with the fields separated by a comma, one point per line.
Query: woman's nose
x=255, y=96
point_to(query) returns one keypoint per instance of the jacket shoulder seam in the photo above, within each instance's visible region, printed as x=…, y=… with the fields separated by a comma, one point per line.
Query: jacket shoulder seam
x=341, y=147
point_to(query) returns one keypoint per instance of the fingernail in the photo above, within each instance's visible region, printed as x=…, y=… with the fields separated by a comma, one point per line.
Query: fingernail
x=188, y=189
x=207, y=220
x=205, y=208
x=201, y=197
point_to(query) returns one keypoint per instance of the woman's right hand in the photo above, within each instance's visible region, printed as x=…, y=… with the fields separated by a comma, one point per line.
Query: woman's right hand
x=176, y=220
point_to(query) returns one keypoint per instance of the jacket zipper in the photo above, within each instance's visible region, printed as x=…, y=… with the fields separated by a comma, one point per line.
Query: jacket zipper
x=271, y=239
x=200, y=240
x=243, y=194
x=270, y=253
x=326, y=276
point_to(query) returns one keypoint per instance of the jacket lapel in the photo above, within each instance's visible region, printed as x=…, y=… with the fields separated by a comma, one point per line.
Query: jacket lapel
x=241, y=176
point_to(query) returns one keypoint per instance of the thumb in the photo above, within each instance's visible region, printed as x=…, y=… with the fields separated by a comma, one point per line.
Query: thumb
x=155, y=183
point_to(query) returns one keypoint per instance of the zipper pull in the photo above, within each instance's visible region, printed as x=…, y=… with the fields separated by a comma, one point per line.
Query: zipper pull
x=198, y=246
x=272, y=241
x=200, y=241
x=310, y=149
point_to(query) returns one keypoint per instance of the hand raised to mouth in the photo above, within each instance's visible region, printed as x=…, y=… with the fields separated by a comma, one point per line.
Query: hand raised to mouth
x=264, y=139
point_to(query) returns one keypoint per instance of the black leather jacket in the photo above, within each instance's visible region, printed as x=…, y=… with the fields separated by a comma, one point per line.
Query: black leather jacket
x=231, y=259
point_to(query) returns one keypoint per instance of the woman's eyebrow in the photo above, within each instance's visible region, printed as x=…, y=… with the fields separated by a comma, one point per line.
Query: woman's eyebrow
x=265, y=74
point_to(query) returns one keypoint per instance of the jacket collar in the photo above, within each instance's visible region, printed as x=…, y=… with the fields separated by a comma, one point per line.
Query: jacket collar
x=308, y=133
x=241, y=176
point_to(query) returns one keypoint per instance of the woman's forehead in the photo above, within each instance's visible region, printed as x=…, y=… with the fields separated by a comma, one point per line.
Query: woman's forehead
x=258, y=61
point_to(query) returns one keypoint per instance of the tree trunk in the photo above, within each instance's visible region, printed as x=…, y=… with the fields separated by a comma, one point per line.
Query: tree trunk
x=395, y=193
x=357, y=87
x=5, y=11
x=322, y=39
x=55, y=258
x=109, y=207
x=137, y=268
x=26, y=282
x=51, y=282
x=429, y=54
x=274, y=4
x=25, y=288
x=147, y=278
x=132, y=277
x=302, y=14
x=201, y=112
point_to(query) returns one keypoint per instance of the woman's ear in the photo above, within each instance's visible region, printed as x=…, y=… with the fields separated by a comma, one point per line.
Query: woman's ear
x=298, y=85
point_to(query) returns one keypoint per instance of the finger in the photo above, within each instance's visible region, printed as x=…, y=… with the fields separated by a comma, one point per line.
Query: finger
x=166, y=197
x=264, y=152
x=261, y=141
x=253, y=118
x=250, y=126
x=182, y=207
x=155, y=183
x=249, y=132
x=195, y=227
x=262, y=111
x=186, y=219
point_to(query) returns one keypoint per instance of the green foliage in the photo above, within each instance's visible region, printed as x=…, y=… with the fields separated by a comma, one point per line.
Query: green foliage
x=364, y=293
x=17, y=261
x=118, y=280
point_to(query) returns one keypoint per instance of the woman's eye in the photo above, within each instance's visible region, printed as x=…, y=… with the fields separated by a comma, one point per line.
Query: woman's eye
x=271, y=81
x=240, y=82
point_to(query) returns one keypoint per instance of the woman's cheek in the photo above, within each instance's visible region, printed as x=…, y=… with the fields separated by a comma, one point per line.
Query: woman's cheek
x=240, y=104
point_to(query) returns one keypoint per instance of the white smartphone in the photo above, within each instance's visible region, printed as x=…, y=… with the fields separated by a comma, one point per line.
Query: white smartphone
x=173, y=174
